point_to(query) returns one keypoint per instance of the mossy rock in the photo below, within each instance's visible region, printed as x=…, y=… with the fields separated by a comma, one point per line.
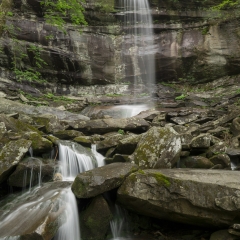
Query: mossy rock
x=11, y=154
x=196, y=162
x=152, y=145
x=67, y=134
x=51, y=122
x=28, y=172
x=39, y=143
x=84, y=140
x=95, y=220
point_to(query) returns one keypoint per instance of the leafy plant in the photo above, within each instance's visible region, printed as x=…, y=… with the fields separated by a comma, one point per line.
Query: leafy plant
x=181, y=97
x=56, y=12
x=226, y=4
x=121, y=131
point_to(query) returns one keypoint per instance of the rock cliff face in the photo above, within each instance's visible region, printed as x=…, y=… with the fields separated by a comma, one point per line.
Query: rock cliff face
x=191, y=43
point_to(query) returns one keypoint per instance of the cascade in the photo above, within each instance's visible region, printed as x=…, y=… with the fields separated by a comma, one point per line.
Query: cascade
x=119, y=224
x=32, y=175
x=24, y=210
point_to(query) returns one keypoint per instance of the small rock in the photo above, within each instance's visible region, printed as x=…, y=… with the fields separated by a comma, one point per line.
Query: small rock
x=201, y=141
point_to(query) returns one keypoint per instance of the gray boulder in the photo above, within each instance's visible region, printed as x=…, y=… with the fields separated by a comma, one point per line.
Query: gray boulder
x=201, y=141
x=222, y=159
x=128, y=145
x=159, y=147
x=32, y=171
x=196, y=162
x=110, y=125
x=11, y=154
x=199, y=197
x=95, y=220
x=100, y=180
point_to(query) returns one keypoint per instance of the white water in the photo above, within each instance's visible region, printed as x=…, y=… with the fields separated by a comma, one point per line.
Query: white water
x=119, y=224
x=74, y=159
x=70, y=229
x=138, y=46
x=131, y=110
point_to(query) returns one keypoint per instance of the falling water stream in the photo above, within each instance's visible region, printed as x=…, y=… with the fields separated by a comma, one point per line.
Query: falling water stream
x=138, y=46
x=74, y=159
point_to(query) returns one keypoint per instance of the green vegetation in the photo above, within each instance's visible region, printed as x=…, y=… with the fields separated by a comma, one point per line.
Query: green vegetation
x=181, y=97
x=141, y=171
x=114, y=95
x=161, y=179
x=56, y=12
x=120, y=131
x=57, y=98
x=227, y=4
x=105, y=5
x=205, y=30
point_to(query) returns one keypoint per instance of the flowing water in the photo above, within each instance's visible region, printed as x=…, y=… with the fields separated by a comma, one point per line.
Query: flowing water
x=138, y=46
x=20, y=213
x=119, y=226
x=74, y=159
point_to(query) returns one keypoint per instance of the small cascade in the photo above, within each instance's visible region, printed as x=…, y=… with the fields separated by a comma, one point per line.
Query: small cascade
x=118, y=225
x=69, y=229
x=75, y=159
x=32, y=175
x=99, y=157
x=30, y=150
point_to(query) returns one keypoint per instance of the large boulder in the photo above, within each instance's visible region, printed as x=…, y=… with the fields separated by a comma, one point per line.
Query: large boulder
x=199, y=197
x=128, y=145
x=32, y=171
x=39, y=143
x=11, y=154
x=110, y=125
x=95, y=219
x=110, y=140
x=160, y=147
x=100, y=180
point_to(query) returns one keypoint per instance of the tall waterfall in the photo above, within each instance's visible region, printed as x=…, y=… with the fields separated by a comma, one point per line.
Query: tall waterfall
x=138, y=46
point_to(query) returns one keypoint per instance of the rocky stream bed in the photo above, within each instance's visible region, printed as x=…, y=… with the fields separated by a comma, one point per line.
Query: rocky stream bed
x=174, y=164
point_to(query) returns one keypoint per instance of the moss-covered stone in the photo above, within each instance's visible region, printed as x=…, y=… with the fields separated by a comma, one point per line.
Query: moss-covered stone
x=153, y=144
x=95, y=220
x=161, y=179
x=102, y=179
x=67, y=134
x=84, y=140
x=51, y=122
x=11, y=155
x=195, y=162
x=39, y=143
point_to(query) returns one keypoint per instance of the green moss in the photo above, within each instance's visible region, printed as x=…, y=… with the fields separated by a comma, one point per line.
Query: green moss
x=141, y=171
x=161, y=179
x=105, y=5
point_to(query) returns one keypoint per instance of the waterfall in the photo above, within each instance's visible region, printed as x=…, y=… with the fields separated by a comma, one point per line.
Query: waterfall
x=119, y=224
x=138, y=45
x=69, y=229
x=32, y=176
x=74, y=159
